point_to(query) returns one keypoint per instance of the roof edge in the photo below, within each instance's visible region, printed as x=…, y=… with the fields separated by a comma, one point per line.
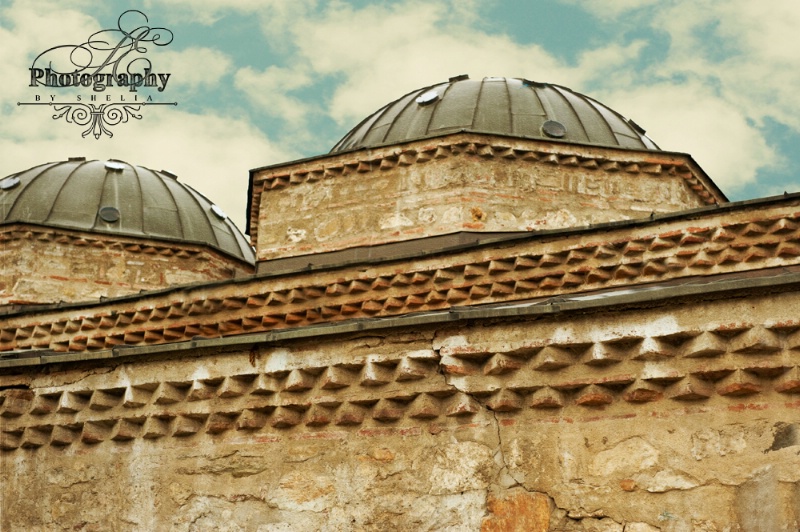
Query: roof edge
x=644, y=295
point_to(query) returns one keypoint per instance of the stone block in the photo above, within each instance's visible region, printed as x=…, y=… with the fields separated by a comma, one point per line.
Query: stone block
x=517, y=511
x=765, y=503
x=16, y=402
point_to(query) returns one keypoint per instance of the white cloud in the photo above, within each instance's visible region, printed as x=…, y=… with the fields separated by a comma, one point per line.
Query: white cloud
x=747, y=50
x=277, y=13
x=738, y=67
x=611, y=8
x=192, y=67
x=270, y=89
x=690, y=118
x=607, y=63
x=213, y=153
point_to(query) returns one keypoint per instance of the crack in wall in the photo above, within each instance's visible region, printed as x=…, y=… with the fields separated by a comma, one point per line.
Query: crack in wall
x=499, y=452
x=506, y=469
x=507, y=480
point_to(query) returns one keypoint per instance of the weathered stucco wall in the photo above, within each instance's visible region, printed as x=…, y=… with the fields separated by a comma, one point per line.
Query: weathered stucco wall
x=679, y=417
x=462, y=182
x=719, y=241
x=696, y=471
x=41, y=265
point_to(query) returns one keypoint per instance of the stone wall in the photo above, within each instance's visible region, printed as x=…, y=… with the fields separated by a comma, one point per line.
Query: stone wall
x=745, y=240
x=44, y=265
x=672, y=416
x=462, y=183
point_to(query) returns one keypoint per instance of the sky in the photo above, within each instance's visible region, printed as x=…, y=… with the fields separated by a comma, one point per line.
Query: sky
x=262, y=82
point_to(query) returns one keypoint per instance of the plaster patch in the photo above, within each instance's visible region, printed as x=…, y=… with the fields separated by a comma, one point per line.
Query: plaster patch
x=628, y=456
x=395, y=221
x=303, y=491
x=295, y=235
x=452, y=215
x=461, y=467
x=426, y=215
x=666, y=480
x=278, y=360
x=718, y=442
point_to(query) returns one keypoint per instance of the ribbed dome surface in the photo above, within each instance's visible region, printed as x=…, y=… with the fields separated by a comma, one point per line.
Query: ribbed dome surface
x=501, y=106
x=114, y=197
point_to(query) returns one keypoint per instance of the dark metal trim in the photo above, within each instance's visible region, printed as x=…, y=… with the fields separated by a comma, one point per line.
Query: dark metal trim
x=767, y=281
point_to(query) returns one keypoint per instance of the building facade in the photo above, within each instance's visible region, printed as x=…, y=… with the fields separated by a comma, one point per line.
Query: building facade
x=494, y=305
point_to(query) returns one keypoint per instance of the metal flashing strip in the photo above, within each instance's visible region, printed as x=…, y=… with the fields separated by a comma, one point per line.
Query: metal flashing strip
x=406, y=249
x=788, y=279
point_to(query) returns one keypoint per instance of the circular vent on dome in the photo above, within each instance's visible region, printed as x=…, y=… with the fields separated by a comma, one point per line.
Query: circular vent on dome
x=499, y=106
x=114, y=197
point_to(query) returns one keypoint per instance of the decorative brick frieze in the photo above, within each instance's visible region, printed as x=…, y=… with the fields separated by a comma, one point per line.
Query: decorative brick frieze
x=630, y=364
x=47, y=265
x=462, y=182
x=708, y=244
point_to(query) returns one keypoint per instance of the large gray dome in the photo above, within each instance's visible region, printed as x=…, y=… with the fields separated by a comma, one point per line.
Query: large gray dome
x=501, y=106
x=114, y=197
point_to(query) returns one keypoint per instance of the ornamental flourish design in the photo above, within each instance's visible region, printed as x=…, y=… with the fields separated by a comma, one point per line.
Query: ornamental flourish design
x=98, y=117
x=108, y=59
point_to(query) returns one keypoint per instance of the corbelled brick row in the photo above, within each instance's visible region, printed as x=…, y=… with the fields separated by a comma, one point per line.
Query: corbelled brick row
x=639, y=362
x=59, y=265
x=683, y=409
x=708, y=243
x=462, y=182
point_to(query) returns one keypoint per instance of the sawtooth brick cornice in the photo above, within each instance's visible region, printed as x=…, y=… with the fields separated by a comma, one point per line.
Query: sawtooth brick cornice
x=22, y=232
x=706, y=244
x=608, y=160
x=746, y=357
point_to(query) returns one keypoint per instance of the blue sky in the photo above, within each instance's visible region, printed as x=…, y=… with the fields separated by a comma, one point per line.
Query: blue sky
x=261, y=82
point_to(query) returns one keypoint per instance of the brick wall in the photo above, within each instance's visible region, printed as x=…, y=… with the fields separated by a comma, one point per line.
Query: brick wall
x=673, y=416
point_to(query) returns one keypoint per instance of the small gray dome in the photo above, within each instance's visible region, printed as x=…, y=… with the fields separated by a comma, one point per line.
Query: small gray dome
x=500, y=106
x=114, y=197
